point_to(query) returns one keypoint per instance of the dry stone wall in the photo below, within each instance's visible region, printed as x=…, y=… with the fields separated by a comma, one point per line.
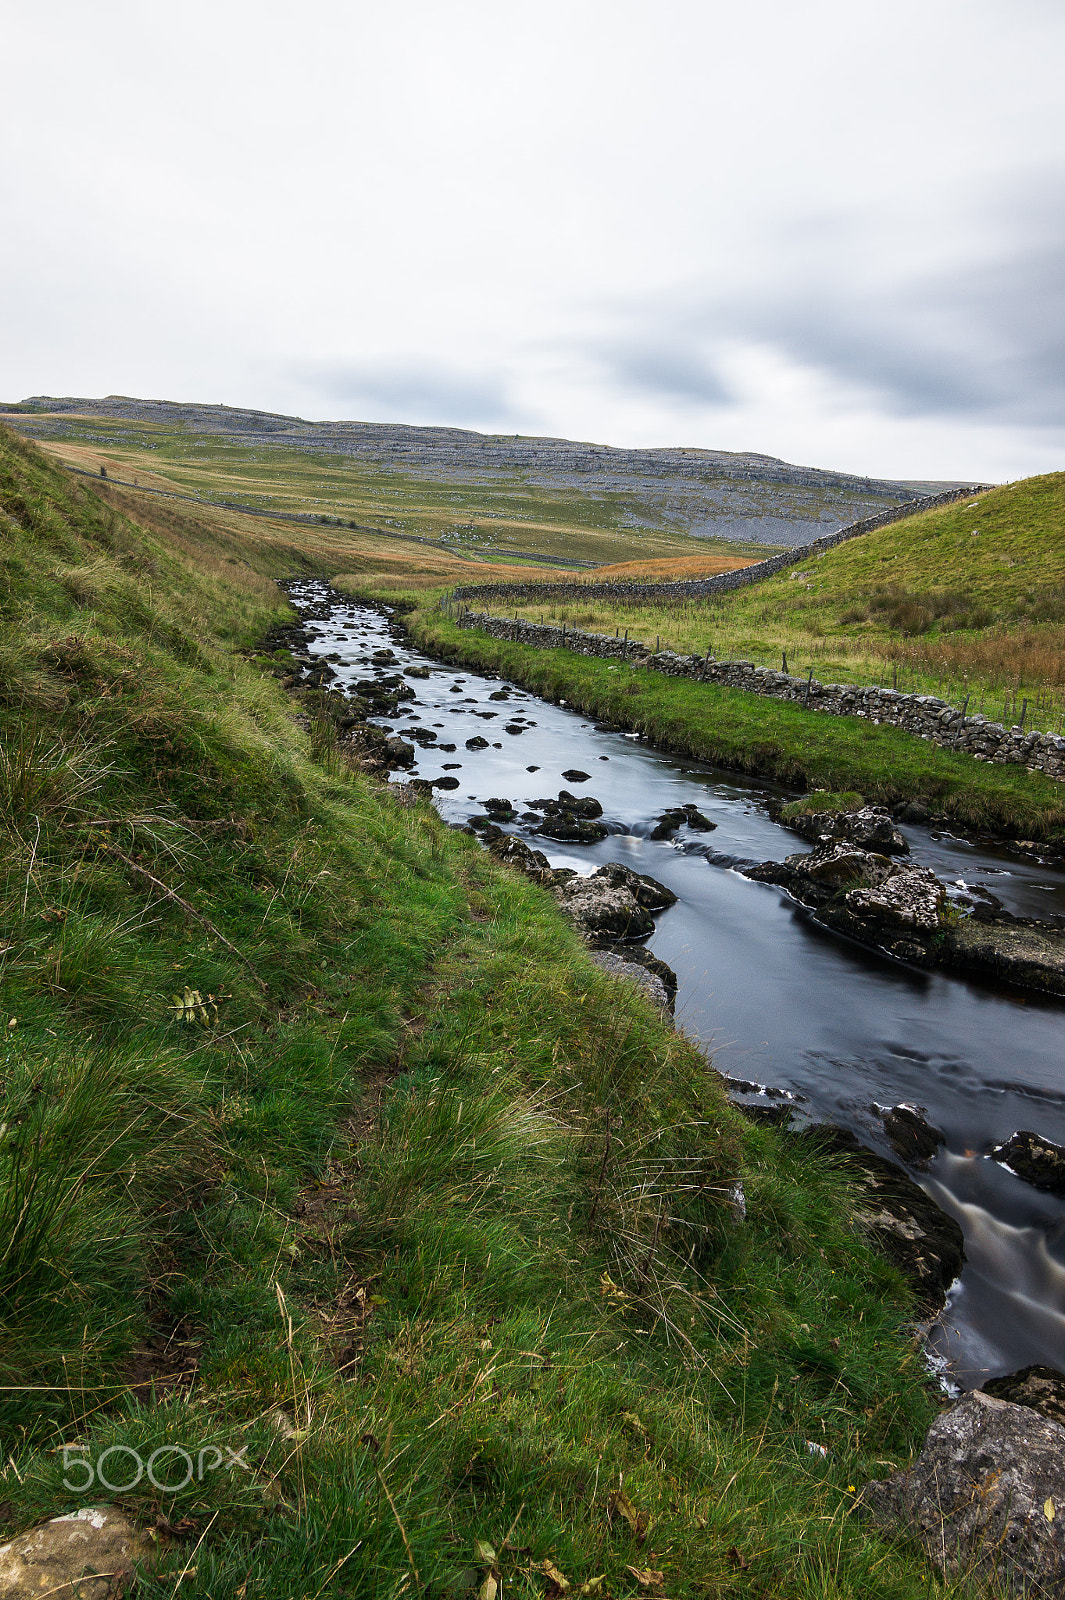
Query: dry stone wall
x=721, y=582
x=922, y=714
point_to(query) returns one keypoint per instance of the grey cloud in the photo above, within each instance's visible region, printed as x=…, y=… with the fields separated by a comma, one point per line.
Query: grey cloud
x=665, y=368
x=984, y=341
x=406, y=391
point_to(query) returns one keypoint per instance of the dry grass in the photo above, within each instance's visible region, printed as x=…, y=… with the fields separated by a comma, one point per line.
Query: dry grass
x=670, y=569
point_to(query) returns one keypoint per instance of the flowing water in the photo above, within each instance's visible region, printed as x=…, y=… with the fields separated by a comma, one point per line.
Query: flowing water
x=775, y=998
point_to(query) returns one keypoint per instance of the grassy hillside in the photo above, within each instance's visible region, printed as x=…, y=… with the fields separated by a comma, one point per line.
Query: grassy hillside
x=481, y=519
x=323, y=1143
x=965, y=600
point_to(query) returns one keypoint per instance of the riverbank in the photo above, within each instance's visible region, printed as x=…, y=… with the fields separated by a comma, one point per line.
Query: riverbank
x=751, y=734
x=334, y=1161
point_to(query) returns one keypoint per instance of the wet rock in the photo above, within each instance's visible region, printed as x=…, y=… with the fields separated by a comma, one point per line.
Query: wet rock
x=516, y=853
x=513, y=727
x=415, y=672
x=912, y=897
x=983, y=1497
x=651, y=894
x=398, y=752
x=500, y=810
x=1038, y=1161
x=500, y=694
x=1031, y=955
x=448, y=747
x=383, y=657
x=62, y=1558
x=476, y=743
x=568, y=829
x=911, y=1135
x=898, y=1217
x=596, y=909
x=427, y=785
x=422, y=736
x=914, y=812
x=1040, y=1388
x=643, y=957
x=842, y=864
x=632, y=972
x=586, y=806
x=575, y=775
x=679, y=817
x=871, y=828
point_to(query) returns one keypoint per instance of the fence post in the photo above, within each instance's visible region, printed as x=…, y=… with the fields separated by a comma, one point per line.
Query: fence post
x=809, y=681
x=961, y=722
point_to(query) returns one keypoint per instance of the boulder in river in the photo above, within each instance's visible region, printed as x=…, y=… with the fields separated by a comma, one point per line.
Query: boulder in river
x=476, y=743
x=871, y=828
x=910, y=1134
x=679, y=817
x=984, y=1497
x=568, y=829
x=598, y=910
x=651, y=894
x=500, y=810
x=1038, y=1161
x=398, y=752
x=1041, y=1388
x=575, y=775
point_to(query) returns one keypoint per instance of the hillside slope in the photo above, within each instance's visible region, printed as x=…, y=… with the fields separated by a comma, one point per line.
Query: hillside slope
x=478, y=490
x=323, y=1144
x=967, y=599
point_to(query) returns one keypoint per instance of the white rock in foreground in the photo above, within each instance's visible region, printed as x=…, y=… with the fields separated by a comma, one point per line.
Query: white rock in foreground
x=80, y=1556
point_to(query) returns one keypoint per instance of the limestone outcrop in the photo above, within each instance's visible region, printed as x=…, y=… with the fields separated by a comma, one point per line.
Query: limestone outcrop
x=983, y=1497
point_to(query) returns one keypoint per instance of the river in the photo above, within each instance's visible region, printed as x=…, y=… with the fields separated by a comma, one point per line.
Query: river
x=769, y=994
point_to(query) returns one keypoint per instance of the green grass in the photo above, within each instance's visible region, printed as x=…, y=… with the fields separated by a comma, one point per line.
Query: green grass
x=300, y=1084
x=751, y=733
x=964, y=601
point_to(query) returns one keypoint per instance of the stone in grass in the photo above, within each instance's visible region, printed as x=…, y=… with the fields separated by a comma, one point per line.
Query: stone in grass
x=641, y=977
x=575, y=775
x=985, y=1498
x=1038, y=1161
x=88, y=1555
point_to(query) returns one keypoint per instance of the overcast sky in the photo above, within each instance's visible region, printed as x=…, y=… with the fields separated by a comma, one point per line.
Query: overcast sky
x=831, y=231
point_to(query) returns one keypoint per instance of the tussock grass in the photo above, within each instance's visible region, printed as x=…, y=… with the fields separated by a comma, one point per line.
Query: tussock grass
x=323, y=1142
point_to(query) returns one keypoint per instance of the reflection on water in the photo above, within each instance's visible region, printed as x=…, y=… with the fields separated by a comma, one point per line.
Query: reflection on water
x=776, y=997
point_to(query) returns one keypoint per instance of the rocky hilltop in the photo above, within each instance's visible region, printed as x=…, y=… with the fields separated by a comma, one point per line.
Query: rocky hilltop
x=709, y=493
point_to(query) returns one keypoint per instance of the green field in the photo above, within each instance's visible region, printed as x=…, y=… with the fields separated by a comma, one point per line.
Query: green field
x=968, y=600
x=322, y=1141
